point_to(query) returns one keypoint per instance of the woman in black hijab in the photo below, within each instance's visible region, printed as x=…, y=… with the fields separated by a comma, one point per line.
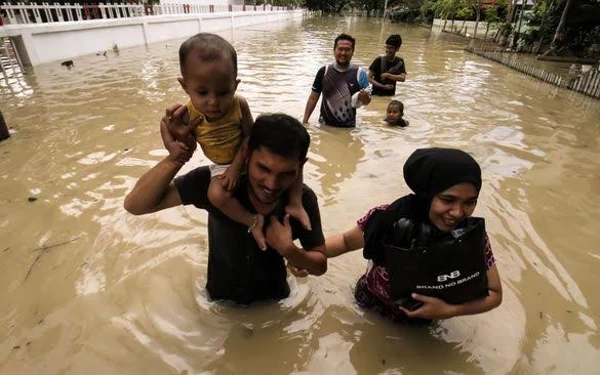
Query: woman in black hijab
x=428, y=257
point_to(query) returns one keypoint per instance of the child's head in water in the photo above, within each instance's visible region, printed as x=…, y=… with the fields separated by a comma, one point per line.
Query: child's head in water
x=394, y=113
x=209, y=74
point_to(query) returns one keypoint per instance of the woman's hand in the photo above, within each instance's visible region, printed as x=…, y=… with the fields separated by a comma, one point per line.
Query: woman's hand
x=433, y=308
x=298, y=272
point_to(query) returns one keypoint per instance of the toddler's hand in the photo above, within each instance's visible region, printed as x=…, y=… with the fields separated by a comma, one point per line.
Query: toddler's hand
x=230, y=177
x=299, y=213
x=257, y=232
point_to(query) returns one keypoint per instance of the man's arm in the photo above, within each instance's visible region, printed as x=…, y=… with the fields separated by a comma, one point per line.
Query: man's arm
x=395, y=77
x=154, y=191
x=373, y=70
x=375, y=83
x=311, y=103
x=311, y=257
x=396, y=73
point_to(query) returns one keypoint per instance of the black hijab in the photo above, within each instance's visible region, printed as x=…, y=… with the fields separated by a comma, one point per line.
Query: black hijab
x=427, y=171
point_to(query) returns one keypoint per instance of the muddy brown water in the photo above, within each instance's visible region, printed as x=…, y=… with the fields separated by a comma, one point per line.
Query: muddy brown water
x=87, y=288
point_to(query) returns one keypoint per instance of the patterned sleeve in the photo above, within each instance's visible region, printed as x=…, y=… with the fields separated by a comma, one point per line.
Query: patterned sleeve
x=362, y=222
x=490, y=261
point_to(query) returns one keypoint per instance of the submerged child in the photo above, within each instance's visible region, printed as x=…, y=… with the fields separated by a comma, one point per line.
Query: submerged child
x=208, y=66
x=394, y=114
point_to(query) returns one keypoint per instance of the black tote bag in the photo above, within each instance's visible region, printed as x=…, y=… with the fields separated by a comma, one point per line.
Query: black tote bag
x=452, y=269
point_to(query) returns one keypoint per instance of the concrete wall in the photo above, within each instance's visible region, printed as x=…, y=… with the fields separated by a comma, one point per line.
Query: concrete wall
x=42, y=43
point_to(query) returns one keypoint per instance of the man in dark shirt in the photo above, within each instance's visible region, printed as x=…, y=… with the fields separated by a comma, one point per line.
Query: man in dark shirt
x=237, y=269
x=388, y=69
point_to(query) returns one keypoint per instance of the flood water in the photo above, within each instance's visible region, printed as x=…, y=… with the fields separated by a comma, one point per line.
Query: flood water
x=86, y=288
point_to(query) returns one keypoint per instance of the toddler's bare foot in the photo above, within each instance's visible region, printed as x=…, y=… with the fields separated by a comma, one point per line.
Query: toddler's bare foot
x=299, y=213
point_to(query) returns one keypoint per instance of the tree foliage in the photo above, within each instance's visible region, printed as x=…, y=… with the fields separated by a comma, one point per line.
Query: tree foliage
x=579, y=33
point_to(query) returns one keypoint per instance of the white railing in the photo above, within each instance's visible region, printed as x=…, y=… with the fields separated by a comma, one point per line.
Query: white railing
x=21, y=13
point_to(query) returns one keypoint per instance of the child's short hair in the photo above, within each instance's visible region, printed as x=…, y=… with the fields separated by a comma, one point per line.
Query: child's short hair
x=398, y=104
x=207, y=47
x=394, y=40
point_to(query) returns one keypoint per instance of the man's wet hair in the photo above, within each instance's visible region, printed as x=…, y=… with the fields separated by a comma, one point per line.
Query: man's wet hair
x=394, y=40
x=281, y=134
x=398, y=104
x=206, y=47
x=344, y=37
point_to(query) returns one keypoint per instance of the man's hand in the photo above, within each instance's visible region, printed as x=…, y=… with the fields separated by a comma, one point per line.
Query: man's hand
x=364, y=97
x=179, y=152
x=230, y=177
x=433, y=308
x=179, y=125
x=385, y=76
x=279, y=236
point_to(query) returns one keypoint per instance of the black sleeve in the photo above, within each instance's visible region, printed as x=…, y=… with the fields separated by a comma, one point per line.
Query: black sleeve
x=315, y=237
x=376, y=65
x=318, y=83
x=399, y=68
x=193, y=187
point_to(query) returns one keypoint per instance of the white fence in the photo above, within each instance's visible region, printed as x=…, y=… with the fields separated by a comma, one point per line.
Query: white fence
x=22, y=13
x=588, y=84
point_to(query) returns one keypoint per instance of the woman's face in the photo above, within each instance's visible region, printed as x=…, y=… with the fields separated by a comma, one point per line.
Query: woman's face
x=452, y=206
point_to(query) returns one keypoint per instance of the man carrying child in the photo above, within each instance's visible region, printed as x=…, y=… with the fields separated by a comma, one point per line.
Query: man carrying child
x=240, y=268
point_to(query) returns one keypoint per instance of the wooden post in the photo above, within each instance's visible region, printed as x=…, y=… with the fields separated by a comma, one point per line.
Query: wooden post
x=4, y=134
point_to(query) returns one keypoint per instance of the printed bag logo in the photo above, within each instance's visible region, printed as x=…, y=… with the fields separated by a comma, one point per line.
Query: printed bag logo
x=453, y=275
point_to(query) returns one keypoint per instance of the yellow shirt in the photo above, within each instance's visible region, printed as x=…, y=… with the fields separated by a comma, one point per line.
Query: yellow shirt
x=221, y=139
